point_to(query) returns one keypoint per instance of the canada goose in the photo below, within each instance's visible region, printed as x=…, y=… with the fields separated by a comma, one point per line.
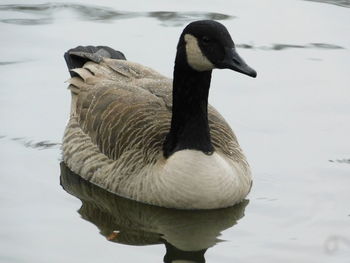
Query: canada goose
x=145, y=137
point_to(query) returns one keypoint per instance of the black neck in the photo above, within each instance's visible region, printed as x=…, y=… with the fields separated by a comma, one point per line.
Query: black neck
x=189, y=124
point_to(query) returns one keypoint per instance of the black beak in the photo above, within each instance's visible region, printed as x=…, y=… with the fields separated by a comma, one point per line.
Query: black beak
x=233, y=61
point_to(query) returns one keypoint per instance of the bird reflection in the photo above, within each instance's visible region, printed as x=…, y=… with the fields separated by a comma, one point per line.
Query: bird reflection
x=186, y=234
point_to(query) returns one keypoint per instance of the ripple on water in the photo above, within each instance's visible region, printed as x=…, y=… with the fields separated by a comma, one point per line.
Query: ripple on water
x=47, y=12
x=280, y=46
x=343, y=3
x=5, y=63
x=340, y=161
x=40, y=145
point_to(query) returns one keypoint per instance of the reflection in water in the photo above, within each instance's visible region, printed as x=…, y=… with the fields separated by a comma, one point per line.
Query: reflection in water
x=344, y=3
x=47, y=12
x=186, y=234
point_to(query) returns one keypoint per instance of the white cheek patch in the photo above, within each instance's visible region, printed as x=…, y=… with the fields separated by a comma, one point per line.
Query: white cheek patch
x=195, y=58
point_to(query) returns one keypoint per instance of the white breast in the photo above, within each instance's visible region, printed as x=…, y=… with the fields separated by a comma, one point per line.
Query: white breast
x=193, y=179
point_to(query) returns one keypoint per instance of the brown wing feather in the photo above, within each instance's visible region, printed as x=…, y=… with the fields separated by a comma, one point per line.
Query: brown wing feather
x=122, y=106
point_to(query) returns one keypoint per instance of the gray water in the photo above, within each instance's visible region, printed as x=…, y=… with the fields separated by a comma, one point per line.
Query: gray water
x=292, y=122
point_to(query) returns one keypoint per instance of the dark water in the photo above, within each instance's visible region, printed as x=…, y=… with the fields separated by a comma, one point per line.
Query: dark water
x=292, y=121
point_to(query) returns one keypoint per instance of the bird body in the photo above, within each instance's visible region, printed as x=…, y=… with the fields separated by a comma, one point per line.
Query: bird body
x=143, y=136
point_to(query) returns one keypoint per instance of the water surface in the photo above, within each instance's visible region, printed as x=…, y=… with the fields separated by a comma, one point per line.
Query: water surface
x=292, y=122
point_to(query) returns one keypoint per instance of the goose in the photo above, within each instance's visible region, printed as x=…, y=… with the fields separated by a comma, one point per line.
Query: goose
x=143, y=136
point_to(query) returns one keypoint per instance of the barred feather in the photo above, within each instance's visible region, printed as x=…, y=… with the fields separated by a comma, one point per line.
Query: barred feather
x=120, y=115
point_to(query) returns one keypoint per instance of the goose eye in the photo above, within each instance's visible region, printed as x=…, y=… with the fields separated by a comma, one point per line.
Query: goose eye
x=205, y=39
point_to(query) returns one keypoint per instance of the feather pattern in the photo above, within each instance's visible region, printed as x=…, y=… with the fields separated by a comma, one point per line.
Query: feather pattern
x=143, y=136
x=120, y=115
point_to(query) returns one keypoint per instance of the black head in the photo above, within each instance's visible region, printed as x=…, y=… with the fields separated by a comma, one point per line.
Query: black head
x=208, y=45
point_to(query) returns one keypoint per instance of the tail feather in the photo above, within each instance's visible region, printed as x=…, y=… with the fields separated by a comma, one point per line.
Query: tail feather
x=77, y=57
